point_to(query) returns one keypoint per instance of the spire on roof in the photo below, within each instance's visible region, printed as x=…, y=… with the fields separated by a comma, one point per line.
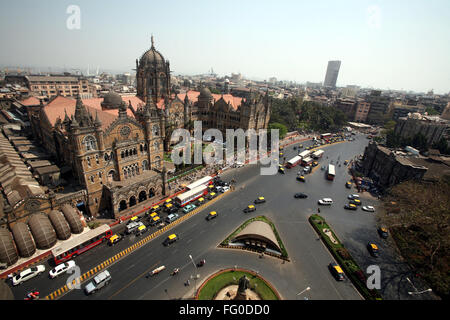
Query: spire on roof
x=97, y=120
x=153, y=43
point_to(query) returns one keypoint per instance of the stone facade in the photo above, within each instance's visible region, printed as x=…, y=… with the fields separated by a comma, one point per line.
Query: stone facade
x=388, y=169
x=432, y=127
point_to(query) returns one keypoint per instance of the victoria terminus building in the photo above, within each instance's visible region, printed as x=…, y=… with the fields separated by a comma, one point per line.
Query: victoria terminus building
x=115, y=144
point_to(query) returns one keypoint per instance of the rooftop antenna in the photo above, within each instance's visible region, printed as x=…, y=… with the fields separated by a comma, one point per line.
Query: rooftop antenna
x=87, y=70
x=97, y=71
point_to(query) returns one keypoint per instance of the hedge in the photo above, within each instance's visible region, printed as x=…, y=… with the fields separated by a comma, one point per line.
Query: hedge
x=349, y=265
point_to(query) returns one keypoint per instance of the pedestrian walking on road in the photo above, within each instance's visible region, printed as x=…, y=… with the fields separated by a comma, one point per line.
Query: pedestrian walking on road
x=318, y=210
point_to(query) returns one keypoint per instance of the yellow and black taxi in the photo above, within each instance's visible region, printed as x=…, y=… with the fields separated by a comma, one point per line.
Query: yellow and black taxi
x=168, y=200
x=141, y=230
x=171, y=208
x=281, y=169
x=350, y=206
x=155, y=220
x=152, y=215
x=134, y=219
x=300, y=146
x=211, y=195
x=348, y=184
x=345, y=162
x=211, y=188
x=200, y=201
x=250, y=208
x=315, y=164
x=260, y=200
x=383, y=232
x=373, y=249
x=171, y=239
x=336, y=271
x=355, y=202
x=114, y=239
x=153, y=210
x=301, y=178
x=211, y=215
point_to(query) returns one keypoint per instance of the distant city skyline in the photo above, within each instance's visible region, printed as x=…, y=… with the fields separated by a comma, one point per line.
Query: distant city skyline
x=397, y=45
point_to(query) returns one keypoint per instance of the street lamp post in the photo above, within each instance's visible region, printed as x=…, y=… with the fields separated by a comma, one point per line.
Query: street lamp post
x=420, y=292
x=307, y=289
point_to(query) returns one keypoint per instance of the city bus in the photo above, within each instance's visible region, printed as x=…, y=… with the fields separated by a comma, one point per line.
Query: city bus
x=191, y=195
x=318, y=154
x=304, y=154
x=293, y=162
x=201, y=182
x=307, y=161
x=71, y=248
x=325, y=136
x=331, y=172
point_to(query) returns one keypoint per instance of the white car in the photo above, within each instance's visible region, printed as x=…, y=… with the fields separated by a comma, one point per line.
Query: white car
x=353, y=196
x=27, y=274
x=225, y=189
x=326, y=201
x=61, y=268
x=368, y=208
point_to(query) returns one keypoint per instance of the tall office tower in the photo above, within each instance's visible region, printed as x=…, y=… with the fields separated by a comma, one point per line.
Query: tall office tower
x=332, y=73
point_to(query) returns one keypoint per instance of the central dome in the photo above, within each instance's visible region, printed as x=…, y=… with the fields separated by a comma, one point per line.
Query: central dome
x=152, y=56
x=111, y=100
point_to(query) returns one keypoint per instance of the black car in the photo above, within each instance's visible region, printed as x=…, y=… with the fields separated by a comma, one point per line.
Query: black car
x=300, y=195
x=172, y=209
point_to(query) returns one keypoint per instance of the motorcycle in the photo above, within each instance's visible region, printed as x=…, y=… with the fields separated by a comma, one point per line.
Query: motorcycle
x=34, y=295
x=175, y=272
x=201, y=263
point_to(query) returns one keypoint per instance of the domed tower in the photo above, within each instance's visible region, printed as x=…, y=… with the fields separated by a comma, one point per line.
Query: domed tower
x=152, y=75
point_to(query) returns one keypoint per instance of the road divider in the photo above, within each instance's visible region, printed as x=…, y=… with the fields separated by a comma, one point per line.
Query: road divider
x=130, y=249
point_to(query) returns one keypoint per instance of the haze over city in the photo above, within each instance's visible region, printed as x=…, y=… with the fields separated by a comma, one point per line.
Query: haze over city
x=382, y=44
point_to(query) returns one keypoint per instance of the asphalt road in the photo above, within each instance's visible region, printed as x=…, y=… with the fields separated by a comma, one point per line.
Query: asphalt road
x=199, y=238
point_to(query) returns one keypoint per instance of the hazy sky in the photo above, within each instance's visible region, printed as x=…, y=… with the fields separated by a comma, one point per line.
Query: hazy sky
x=394, y=44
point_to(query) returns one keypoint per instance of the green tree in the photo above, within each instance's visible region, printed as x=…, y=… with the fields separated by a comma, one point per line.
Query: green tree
x=419, y=141
x=281, y=127
x=442, y=146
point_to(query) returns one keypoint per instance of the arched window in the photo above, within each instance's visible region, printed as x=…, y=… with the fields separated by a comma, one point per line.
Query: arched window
x=157, y=162
x=126, y=153
x=156, y=145
x=145, y=147
x=106, y=157
x=144, y=165
x=141, y=148
x=134, y=151
x=155, y=130
x=88, y=161
x=122, y=154
x=89, y=143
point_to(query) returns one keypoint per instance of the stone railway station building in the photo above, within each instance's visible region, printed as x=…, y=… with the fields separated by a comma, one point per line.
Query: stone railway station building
x=114, y=145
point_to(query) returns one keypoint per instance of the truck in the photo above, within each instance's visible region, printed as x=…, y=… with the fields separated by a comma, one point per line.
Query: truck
x=99, y=281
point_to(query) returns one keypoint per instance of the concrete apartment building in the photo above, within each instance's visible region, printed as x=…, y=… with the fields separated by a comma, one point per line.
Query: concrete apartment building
x=49, y=86
x=332, y=74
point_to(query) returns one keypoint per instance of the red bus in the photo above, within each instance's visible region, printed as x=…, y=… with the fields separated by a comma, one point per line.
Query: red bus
x=293, y=162
x=307, y=161
x=71, y=248
x=331, y=172
x=191, y=195
x=325, y=136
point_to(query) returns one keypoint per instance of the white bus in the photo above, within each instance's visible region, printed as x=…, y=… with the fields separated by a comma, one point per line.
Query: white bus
x=201, y=182
x=191, y=195
x=331, y=172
